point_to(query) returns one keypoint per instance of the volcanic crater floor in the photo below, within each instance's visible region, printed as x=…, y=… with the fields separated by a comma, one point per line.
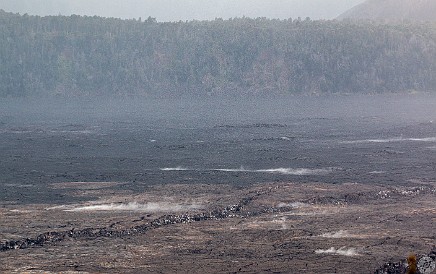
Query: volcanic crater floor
x=267, y=228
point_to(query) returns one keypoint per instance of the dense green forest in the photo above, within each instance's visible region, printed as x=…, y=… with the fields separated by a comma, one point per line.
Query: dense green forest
x=82, y=56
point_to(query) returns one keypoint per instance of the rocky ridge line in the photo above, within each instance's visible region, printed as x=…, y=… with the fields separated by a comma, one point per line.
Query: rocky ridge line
x=219, y=214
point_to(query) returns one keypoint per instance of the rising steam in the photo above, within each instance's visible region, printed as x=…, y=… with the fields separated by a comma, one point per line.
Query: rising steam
x=282, y=171
x=391, y=140
x=134, y=206
x=336, y=235
x=341, y=251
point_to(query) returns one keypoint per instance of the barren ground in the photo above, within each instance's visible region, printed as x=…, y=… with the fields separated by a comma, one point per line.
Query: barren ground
x=286, y=227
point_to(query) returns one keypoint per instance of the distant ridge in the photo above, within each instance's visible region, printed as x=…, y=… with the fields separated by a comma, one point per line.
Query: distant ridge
x=93, y=56
x=393, y=10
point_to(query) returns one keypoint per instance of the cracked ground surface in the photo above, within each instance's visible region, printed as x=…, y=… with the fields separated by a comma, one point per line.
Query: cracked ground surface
x=287, y=227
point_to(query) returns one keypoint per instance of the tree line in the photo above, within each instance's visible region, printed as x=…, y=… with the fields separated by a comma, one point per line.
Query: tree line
x=93, y=56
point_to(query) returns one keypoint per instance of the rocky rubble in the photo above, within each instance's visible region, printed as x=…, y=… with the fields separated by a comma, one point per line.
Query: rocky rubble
x=402, y=267
x=218, y=214
x=235, y=210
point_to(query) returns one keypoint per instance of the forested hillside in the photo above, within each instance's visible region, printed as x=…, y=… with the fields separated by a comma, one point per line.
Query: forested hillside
x=83, y=56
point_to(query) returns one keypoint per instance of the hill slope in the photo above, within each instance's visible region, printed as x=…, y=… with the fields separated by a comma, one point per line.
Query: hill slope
x=96, y=56
x=175, y=10
x=414, y=10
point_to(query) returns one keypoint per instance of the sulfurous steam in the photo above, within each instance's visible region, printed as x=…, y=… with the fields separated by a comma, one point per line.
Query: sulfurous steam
x=134, y=206
x=341, y=251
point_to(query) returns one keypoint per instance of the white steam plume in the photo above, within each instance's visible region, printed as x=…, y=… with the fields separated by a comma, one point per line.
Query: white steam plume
x=391, y=140
x=134, y=206
x=283, y=171
x=341, y=251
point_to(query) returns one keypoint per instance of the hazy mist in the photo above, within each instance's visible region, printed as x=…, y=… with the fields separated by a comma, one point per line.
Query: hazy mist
x=175, y=10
